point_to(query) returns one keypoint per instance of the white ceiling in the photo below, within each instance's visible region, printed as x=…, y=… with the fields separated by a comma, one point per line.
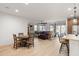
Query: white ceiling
x=39, y=11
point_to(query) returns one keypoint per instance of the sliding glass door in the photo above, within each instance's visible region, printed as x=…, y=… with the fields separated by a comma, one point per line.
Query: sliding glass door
x=60, y=30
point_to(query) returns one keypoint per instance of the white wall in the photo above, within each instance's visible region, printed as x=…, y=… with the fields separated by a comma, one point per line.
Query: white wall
x=10, y=24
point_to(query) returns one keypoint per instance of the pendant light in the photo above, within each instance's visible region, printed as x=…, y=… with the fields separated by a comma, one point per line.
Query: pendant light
x=75, y=16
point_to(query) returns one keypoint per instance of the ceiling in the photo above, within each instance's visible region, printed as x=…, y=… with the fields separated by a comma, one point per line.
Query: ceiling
x=39, y=11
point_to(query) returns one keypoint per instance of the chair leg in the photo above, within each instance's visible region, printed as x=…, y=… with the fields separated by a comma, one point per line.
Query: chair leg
x=13, y=45
x=60, y=47
x=28, y=45
x=67, y=45
x=16, y=46
x=33, y=44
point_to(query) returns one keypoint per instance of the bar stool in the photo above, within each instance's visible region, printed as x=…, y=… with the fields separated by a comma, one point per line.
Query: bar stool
x=64, y=42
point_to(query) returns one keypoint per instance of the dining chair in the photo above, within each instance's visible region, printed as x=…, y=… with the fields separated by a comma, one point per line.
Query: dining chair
x=49, y=35
x=20, y=34
x=63, y=42
x=30, y=41
x=17, y=42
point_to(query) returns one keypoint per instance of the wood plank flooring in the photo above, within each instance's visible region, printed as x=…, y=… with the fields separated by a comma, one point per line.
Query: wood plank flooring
x=41, y=48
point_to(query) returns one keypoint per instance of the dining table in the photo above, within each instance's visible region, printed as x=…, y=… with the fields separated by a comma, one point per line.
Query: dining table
x=22, y=37
x=23, y=40
x=73, y=44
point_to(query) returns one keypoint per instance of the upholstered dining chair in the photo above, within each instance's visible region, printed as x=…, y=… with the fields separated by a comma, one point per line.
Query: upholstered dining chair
x=63, y=42
x=17, y=42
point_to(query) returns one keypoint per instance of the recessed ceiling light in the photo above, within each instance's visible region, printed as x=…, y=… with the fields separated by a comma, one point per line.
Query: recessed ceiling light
x=26, y=3
x=69, y=9
x=71, y=15
x=7, y=7
x=16, y=10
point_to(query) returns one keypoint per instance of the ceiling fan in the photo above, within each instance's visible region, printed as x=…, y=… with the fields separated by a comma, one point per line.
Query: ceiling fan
x=42, y=22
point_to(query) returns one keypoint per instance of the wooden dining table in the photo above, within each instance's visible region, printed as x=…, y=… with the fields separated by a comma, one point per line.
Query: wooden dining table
x=23, y=40
x=22, y=37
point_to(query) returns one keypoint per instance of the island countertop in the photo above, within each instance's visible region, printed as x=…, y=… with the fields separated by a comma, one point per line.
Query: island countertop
x=71, y=37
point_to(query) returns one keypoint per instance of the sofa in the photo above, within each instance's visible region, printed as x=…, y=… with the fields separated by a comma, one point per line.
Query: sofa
x=44, y=35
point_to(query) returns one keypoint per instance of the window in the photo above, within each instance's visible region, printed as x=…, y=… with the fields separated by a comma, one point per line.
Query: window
x=74, y=29
x=51, y=28
x=35, y=27
x=57, y=30
x=42, y=28
x=63, y=28
x=60, y=29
